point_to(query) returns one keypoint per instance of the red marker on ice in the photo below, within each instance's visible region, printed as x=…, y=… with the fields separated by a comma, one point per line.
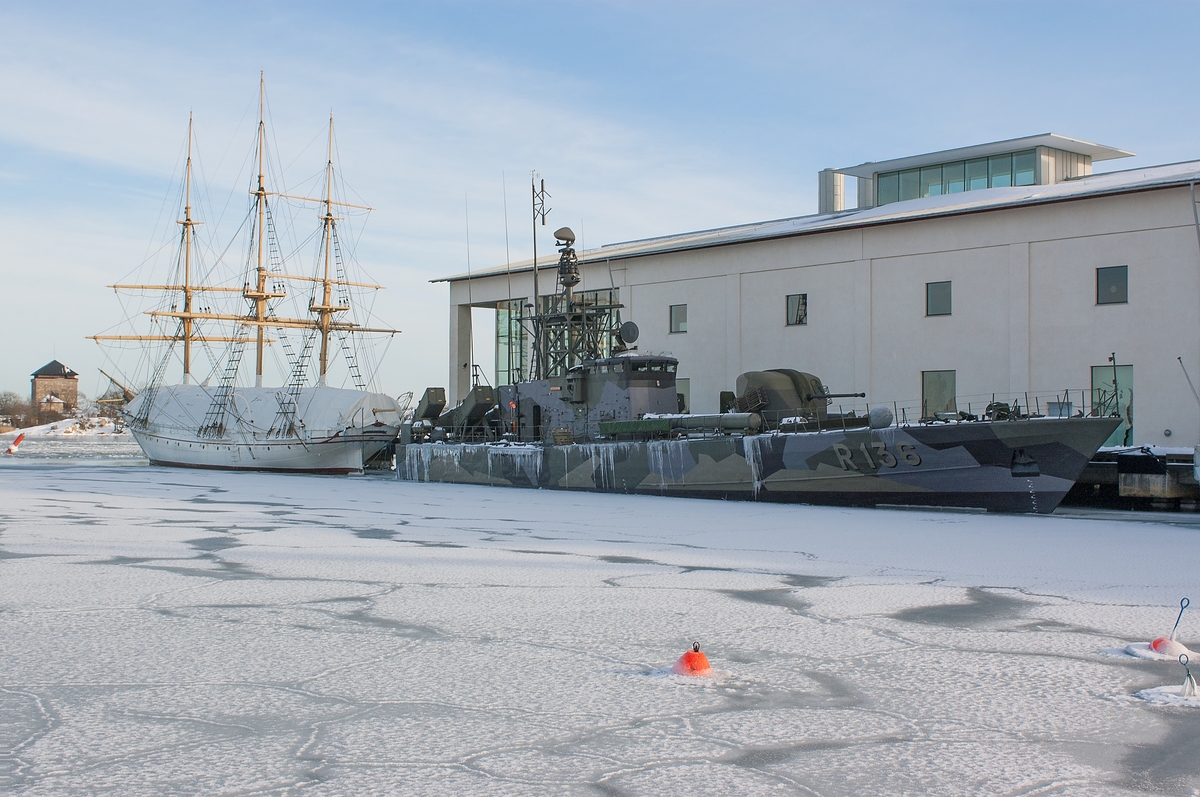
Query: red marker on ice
x=12, y=449
x=1169, y=646
x=693, y=662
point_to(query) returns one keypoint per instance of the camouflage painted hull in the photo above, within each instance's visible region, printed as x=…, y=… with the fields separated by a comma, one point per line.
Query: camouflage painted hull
x=1001, y=466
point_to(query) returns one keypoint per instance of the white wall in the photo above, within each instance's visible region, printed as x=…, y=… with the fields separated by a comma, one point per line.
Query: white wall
x=1024, y=316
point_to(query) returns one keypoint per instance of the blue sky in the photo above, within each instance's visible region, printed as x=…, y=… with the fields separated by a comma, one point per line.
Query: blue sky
x=645, y=119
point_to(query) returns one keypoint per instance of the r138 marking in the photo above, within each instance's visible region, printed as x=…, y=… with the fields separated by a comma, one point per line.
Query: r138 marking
x=876, y=455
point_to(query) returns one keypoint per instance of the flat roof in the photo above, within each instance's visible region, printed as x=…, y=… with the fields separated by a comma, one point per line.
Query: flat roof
x=1098, y=152
x=1096, y=185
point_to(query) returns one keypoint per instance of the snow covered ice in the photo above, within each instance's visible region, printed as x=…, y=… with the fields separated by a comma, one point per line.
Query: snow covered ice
x=175, y=631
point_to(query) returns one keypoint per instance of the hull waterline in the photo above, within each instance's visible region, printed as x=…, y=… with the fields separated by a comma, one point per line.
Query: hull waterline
x=1001, y=466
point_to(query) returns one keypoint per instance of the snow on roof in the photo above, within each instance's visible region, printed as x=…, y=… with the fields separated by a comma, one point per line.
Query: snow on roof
x=54, y=368
x=1096, y=185
x=53, y=400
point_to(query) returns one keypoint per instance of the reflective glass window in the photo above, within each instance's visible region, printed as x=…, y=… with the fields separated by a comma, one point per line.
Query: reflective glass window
x=797, y=309
x=678, y=318
x=1023, y=167
x=977, y=174
x=954, y=178
x=1112, y=285
x=937, y=298
x=931, y=181
x=889, y=188
x=937, y=392
x=1000, y=171
x=910, y=184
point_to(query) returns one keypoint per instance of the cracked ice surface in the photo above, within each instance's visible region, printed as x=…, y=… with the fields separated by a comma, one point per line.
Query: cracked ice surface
x=170, y=631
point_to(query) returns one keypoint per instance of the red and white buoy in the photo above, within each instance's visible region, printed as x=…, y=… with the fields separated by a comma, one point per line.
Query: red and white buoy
x=12, y=449
x=1163, y=647
x=693, y=662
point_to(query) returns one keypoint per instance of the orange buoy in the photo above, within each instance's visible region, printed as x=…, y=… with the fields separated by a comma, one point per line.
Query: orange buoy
x=1168, y=647
x=693, y=662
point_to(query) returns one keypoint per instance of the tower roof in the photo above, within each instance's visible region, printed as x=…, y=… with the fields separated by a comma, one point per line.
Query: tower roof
x=55, y=368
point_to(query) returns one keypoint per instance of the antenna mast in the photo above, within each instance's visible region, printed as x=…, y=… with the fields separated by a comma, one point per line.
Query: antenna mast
x=539, y=212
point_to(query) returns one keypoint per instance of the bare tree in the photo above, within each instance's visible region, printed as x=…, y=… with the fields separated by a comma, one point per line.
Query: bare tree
x=17, y=408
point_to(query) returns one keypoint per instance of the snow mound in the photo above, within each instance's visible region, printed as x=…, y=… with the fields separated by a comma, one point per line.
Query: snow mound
x=1167, y=650
x=1168, y=696
x=668, y=675
x=69, y=428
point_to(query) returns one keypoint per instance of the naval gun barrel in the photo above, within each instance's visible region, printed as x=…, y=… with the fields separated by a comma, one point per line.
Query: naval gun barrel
x=729, y=421
x=812, y=396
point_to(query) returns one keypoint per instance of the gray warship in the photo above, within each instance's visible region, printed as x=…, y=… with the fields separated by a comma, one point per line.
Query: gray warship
x=598, y=415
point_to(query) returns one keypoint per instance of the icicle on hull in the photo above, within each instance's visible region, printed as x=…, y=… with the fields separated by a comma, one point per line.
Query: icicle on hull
x=970, y=465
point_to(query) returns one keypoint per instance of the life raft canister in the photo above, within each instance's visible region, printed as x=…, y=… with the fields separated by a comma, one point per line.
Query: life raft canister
x=693, y=662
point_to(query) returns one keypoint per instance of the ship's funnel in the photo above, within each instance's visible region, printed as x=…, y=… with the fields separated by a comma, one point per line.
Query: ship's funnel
x=693, y=662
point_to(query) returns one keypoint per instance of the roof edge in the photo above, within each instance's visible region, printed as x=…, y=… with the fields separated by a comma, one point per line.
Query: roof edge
x=1097, y=152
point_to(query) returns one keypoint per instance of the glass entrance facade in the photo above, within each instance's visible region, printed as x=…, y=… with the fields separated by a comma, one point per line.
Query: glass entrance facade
x=512, y=343
x=1112, y=393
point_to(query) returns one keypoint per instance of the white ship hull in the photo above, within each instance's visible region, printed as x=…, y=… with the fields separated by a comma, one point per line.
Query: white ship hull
x=332, y=431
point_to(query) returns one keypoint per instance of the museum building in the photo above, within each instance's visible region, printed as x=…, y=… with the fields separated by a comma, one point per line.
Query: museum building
x=1006, y=271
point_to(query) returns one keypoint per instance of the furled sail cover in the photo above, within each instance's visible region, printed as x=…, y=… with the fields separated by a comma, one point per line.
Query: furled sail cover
x=255, y=410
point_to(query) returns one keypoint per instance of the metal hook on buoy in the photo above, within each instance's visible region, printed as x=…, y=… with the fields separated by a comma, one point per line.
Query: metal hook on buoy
x=1183, y=604
x=1189, y=683
x=696, y=647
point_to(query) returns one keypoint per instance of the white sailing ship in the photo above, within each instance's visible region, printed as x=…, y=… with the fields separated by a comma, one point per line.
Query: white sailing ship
x=294, y=427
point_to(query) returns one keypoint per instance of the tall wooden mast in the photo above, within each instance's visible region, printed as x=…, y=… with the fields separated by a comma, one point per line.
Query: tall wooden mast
x=258, y=294
x=187, y=223
x=255, y=288
x=326, y=308
x=187, y=332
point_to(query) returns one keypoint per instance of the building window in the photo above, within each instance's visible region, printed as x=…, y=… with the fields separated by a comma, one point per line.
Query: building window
x=937, y=298
x=797, y=309
x=1024, y=168
x=997, y=171
x=937, y=393
x=512, y=342
x=910, y=184
x=888, y=186
x=1112, y=395
x=679, y=318
x=931, y=181
x=977, y=174
x=953, y=178
x=1112, y=285
x=1000, y=171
